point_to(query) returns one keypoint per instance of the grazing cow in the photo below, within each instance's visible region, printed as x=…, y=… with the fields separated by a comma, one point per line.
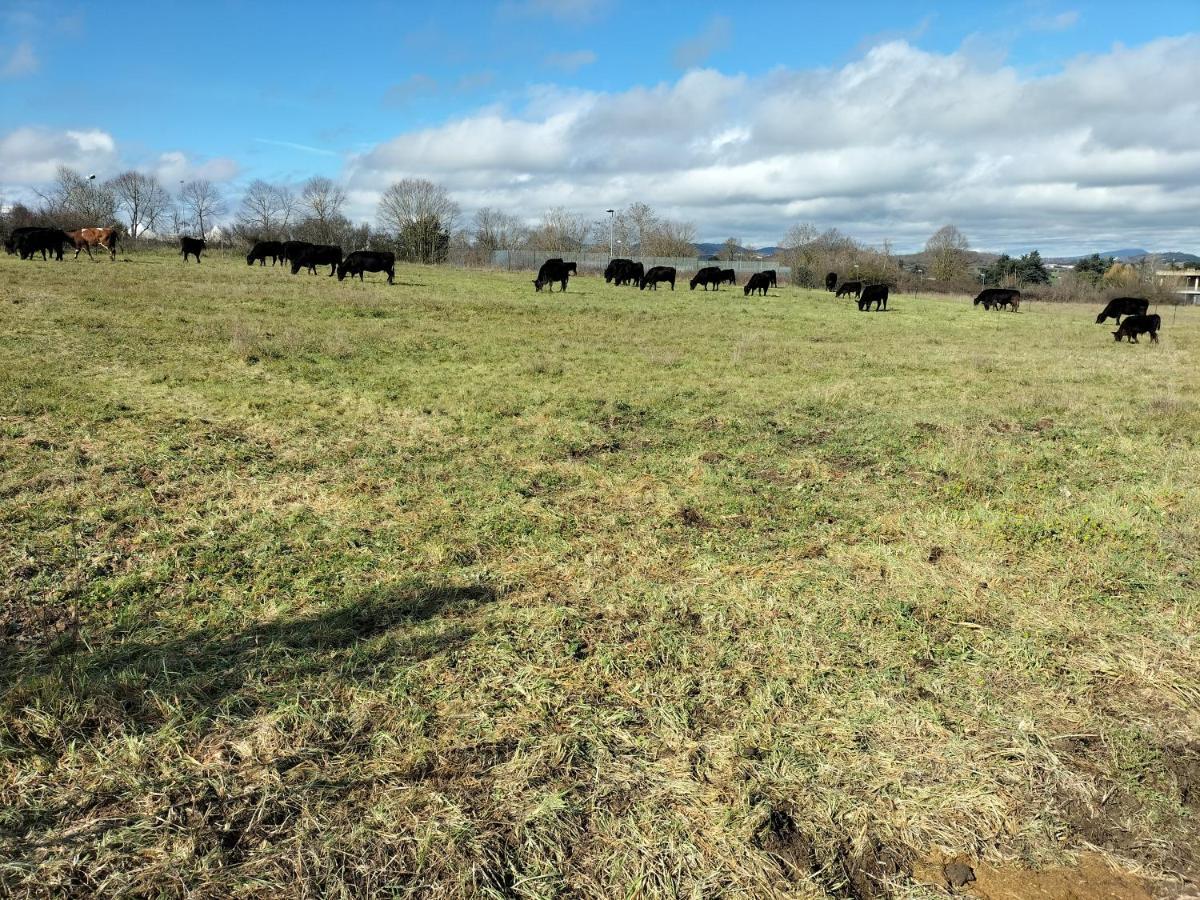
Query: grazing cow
x=706, y=276
x=264, y=249
x=42, y=240
x=770, y=273
x=1123, y=306
x=320, y=255
x=1137, y=324
x=631, y=274
x=193, y=247
x=657, y=274
x=997, y=297
x=759, y=281
x=849, y=287
x=87, y=238
x=614, y=267
x=831, y=281
x=873, y=293
x=293, y=250
x=367, y=261
x=554, y=270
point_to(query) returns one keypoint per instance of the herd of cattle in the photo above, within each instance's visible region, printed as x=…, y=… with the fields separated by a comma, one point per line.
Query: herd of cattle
x=28, y=242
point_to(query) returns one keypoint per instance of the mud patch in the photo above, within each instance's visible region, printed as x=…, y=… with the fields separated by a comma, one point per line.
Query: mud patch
x=1090, y=879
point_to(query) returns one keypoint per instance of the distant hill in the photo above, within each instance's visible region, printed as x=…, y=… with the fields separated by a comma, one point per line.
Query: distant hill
x=1127, y=253
x=707, y=249
x=1134, y=255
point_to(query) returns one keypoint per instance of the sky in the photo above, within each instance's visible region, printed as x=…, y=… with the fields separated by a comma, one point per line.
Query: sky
x=1069, y=127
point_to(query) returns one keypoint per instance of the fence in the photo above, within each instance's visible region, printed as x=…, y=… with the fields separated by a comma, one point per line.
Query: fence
x=596, y=262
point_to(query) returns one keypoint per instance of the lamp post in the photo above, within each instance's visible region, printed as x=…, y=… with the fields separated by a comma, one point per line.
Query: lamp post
x=610, y=232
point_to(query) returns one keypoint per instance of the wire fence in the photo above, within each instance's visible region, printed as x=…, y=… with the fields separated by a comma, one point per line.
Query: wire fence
x=532, y=260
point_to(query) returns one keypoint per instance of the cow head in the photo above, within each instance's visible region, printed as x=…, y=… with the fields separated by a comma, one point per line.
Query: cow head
x=341, y=271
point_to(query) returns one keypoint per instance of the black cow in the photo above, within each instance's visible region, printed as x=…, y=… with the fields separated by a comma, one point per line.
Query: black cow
x=367, y=261
x=319, y=255
x=632, y=274
x=770, y=273
x=873, y=293
x=1137, y=324
x=293, y=250
x=831, y=281
x=43, y=240
x=1123, y=306
x=729, y=276
x=614, y=268
x=849, y=287
x=13, y=240
x=657, y=274
x=997, y=297
x=192, y=247
x=263, y=249
x=706, y=276
x=554, y=270
x=759, y=281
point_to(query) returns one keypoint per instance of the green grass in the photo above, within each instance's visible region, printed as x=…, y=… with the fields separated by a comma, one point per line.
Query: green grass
x=453, y=589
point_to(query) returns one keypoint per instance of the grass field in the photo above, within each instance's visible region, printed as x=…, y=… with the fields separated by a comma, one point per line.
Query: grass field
x=450, y=589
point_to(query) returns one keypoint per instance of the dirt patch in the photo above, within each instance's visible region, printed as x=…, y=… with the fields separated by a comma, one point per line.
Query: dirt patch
x=691, y=517
x=1090, y=879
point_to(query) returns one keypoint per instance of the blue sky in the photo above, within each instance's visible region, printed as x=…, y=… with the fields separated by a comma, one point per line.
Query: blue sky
x=364, y=92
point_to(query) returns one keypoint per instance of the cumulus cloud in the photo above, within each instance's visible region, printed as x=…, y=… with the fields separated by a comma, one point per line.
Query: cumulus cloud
x=570, y=62
x=890, y=145
x=22, y=61
x=175, y=166
x=716, y=36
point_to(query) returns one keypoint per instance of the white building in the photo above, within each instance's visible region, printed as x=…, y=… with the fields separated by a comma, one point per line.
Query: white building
x=1185, y=282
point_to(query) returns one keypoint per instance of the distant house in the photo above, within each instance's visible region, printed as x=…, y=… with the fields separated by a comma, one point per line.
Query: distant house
x=1185, y=282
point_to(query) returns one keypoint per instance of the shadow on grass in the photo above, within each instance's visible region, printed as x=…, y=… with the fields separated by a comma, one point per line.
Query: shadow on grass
x=137, y=684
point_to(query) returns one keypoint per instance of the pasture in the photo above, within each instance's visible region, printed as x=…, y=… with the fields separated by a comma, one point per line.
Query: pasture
x=452, y=589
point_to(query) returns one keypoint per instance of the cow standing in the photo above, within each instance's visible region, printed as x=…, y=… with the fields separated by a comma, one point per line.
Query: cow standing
x=1123, y=306
x=759, y=281
x=614, y=268
x=997, y=297
x=87, y=238
x=873, y=293
x=706, y=276
x=657, y=274
x=729, y=276
x=319, y=255
x=849, y=288
x=192, y=247
x=831, y=281
x=262, y=250
x=554, y=270
x=1135, y=325
x=368, y=261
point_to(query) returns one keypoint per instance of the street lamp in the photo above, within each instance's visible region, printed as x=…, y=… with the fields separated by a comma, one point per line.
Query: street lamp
x=610, y=232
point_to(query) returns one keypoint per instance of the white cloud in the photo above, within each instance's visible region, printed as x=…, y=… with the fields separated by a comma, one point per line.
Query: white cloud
x=716, y=36
x=22, y=61
x=31, y=156
x=570, y=62
x=892, y=144
x=175, y=166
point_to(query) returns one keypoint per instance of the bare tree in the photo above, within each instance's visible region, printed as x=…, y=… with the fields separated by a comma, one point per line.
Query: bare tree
x=265, y=210
x=142, y=199
x=74, y=201
x=561, y=230
x=419, y=214
x=947, y=253
x=496, y=230
x=322, y=199
x=669, y=238
x=632, y=225
x=731, y=249
x=202, y=203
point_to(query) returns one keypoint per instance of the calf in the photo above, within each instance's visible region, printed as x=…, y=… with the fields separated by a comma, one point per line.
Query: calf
x=367, y=261
x=873, y=293
x=319, y=255
x=770, y=273
x=657, y=274
x=831, y=281
x=706, y=276
x=1123, y=306
x=1135, y=325
x=264, y=249
x=849, y=287
x=758, y=282
x=193, y=247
